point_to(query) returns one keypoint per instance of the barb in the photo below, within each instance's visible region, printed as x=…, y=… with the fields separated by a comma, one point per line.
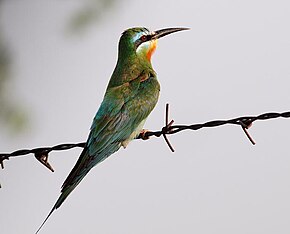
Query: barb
x=42, y=153
x=166, y=129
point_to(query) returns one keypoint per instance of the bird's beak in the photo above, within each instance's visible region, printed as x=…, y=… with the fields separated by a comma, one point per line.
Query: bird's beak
x=166, y=31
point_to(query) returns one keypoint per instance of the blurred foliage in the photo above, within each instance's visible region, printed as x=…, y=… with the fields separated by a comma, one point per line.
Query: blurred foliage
x=91, y=12
x=11, y=116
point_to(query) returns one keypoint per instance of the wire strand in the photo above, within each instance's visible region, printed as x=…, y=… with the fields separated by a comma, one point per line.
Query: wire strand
x=41, y=153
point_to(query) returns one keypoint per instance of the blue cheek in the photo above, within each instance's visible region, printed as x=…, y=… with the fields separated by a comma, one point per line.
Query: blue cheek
x=136, y=37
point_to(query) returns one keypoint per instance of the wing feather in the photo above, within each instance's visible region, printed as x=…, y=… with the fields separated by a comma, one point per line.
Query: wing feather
x=113, y=123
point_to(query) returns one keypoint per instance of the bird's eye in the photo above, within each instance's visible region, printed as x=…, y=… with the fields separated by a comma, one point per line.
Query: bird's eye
x=143, y=38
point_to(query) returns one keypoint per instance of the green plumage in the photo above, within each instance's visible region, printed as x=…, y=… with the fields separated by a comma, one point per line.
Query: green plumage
x=131, y=95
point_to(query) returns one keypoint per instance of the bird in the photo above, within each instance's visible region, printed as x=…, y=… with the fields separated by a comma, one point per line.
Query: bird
x=131, y=95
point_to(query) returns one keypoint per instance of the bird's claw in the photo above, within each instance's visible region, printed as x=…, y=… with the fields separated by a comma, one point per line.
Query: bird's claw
x=143, y=134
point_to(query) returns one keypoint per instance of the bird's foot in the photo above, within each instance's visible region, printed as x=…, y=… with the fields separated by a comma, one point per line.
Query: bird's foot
x=143, y=134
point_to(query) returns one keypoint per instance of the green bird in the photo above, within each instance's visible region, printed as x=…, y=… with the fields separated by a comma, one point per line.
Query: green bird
x=131, y=95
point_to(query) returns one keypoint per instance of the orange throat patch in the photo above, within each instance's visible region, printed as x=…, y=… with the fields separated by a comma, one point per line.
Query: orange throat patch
x=151, y=50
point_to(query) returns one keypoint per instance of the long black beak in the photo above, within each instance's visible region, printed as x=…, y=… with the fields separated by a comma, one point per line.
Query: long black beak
x=166, y=31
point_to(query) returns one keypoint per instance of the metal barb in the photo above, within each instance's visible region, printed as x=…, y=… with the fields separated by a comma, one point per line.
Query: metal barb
x=248, y=135
x=2, y=158
x=245, y=122
x=42, y=157
x=166, y=129
x=246, y=125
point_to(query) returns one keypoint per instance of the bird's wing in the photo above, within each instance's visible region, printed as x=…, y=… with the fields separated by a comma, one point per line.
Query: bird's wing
x=113, y=123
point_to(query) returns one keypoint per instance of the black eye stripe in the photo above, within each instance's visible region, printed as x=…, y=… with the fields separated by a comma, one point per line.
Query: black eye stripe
x=143, y=39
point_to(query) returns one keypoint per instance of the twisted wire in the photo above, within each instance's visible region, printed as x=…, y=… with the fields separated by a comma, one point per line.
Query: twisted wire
x=245, y=122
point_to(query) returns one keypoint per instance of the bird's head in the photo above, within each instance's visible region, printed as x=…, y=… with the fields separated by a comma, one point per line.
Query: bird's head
x=141, y=42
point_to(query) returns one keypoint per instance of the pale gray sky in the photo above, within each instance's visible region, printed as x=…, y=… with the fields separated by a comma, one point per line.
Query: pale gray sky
x=233, y=62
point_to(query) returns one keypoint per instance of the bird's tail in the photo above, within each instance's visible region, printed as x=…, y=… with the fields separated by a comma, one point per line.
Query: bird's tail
x=73, y=179
x=58, y=203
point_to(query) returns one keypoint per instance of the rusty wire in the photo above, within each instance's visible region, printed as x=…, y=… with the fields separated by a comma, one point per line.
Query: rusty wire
x=41, y=154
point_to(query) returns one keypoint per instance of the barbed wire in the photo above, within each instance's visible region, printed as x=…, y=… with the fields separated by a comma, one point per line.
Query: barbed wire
x=41, y=153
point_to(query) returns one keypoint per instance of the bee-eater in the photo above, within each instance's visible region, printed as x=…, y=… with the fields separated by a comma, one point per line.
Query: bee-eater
x=131, y=95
